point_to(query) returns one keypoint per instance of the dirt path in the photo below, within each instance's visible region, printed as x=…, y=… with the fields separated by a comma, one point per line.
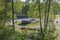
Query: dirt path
x=57, y=24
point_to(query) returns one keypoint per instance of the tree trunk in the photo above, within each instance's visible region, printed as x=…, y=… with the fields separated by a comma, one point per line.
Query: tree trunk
x=48, y=12
x=5, y=12
x=45, y=15
x=39, y=6
x=13, y=16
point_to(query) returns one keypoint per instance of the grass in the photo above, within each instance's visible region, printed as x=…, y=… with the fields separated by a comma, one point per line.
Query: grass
x=18, y=22
x=32, y=24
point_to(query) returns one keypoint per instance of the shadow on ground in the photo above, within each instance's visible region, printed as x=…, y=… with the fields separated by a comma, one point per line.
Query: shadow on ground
x=23, y=24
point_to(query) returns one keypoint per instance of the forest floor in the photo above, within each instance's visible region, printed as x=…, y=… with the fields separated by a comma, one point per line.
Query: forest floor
x=37, y=26
x=57, y=25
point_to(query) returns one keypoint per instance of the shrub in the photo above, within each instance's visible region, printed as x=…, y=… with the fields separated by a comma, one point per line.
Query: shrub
x=7, y=34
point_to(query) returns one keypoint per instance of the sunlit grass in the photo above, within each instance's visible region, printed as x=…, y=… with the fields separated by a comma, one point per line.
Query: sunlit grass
x=32, y=24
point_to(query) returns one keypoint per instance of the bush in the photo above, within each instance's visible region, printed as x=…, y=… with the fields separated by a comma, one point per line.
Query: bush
x=7, y=34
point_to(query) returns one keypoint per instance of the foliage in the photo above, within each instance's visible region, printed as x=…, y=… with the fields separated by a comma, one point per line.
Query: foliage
x=18, y=6
x=7, y=34
x=5, y=15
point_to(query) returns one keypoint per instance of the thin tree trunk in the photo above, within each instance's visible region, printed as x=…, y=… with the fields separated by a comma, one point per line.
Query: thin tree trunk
x=41, y=29
x=48, y=12
x=40, y=15
x=5, y=13
x=45, y=15
x=13, y=16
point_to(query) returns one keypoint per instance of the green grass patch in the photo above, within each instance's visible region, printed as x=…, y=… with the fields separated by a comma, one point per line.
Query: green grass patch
x=32, y=24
